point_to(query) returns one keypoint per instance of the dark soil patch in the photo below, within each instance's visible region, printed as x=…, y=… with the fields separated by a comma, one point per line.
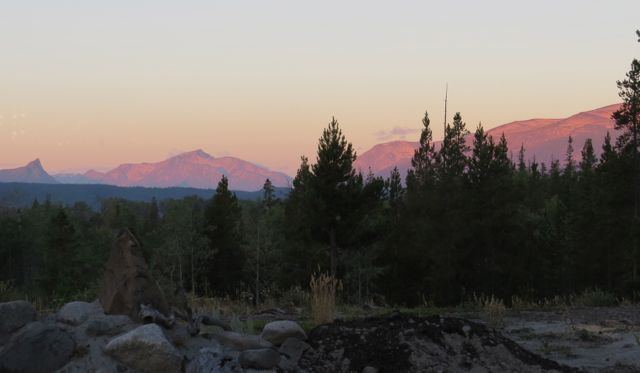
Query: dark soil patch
x=404, y=343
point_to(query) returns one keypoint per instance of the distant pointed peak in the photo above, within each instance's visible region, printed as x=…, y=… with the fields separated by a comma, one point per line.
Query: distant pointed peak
x=35, y=164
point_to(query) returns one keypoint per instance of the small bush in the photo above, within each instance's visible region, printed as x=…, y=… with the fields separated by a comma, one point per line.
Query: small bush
x=493, y=309
x=323, y=298
x=596, y=298
x=295, y=296
x=521, y=304
x=7, y=291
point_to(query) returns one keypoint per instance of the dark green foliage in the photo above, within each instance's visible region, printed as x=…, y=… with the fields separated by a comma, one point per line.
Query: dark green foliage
x=222, y=227
x=326, y=200
x=423, y=161
x=269, y=194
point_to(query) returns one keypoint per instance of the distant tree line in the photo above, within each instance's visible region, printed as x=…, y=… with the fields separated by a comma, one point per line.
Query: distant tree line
x=466, y=220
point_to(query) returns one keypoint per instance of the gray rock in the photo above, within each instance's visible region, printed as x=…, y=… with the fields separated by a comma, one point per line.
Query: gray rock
x=75, y=313
x=39, y=347
x=277, y=331
x=240, y=342
x=146, y=349
x=13, y=316
x=108, y=325
x=212, y=360
x=265, y=358
x=179, y=335
x=291, y=350
x=369, y=369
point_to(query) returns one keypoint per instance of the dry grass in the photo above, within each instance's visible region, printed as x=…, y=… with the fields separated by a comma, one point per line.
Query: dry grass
x=493, y=309
x=323, y=298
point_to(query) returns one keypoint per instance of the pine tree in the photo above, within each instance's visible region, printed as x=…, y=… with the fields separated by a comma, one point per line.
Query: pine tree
x=570, y=165
x=522, y=166
x=268, y=194
x=451, y=157
x=299, y=257
x=395, y=191
x=60, y=258
x=423, y=159
x=589, y=161
x=501, y=156
x=222, y=220
x=333, y=183
x=481, y=157
x=608, y=153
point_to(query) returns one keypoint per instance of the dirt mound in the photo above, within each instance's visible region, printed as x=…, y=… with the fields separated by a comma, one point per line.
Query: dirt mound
x=403, y=343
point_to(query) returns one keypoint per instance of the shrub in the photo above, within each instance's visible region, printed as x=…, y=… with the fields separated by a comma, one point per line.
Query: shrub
x=7, y=291
x=323, y=298
x=294, y=296
x=493, y=309
x=596, y=298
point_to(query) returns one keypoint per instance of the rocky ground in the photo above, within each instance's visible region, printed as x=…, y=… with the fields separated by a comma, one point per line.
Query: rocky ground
x=594, y=339
x=80, y=337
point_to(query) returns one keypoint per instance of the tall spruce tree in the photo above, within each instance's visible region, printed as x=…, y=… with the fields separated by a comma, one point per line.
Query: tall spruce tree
x=333, y=183
x=61, y=267
x=452, y=156
x=422, y=163
x=222, y=219
x=522, y=165
x=569, y=162
x=268, y=193
x=395, y=191
x=481, y=157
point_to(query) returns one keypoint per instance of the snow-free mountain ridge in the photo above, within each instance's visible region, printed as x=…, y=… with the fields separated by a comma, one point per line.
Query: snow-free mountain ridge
x=543, y=139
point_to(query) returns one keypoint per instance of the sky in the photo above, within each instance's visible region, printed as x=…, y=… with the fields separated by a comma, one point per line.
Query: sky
x=93, y=84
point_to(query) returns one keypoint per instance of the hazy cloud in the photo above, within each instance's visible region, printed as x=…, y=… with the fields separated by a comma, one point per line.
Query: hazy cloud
x=396, y=133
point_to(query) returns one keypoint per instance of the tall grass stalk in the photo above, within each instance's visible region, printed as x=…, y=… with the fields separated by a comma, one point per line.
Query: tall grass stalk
x=323, y=298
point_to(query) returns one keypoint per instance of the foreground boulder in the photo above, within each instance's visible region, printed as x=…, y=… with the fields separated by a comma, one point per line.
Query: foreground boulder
x=39, y=347
x=127, y=282
x=13, y=316
x=277, y=332
x=107, y=325
x=265, y=358
x=290, y=352
x=75, y=313
x=213, y=360
x=240, y=342
x=145, y=349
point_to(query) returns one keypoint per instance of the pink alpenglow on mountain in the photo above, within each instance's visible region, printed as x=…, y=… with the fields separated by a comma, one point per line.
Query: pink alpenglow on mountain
x=195, y=169
x=382, y=158
x=544, y=140
x=31, y=173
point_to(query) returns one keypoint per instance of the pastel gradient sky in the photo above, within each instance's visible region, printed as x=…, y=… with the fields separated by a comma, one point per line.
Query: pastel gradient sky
x=92, y=84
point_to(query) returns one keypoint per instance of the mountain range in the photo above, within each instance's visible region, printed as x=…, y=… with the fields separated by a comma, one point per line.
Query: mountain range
x=195, y=169
x=543, y=139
